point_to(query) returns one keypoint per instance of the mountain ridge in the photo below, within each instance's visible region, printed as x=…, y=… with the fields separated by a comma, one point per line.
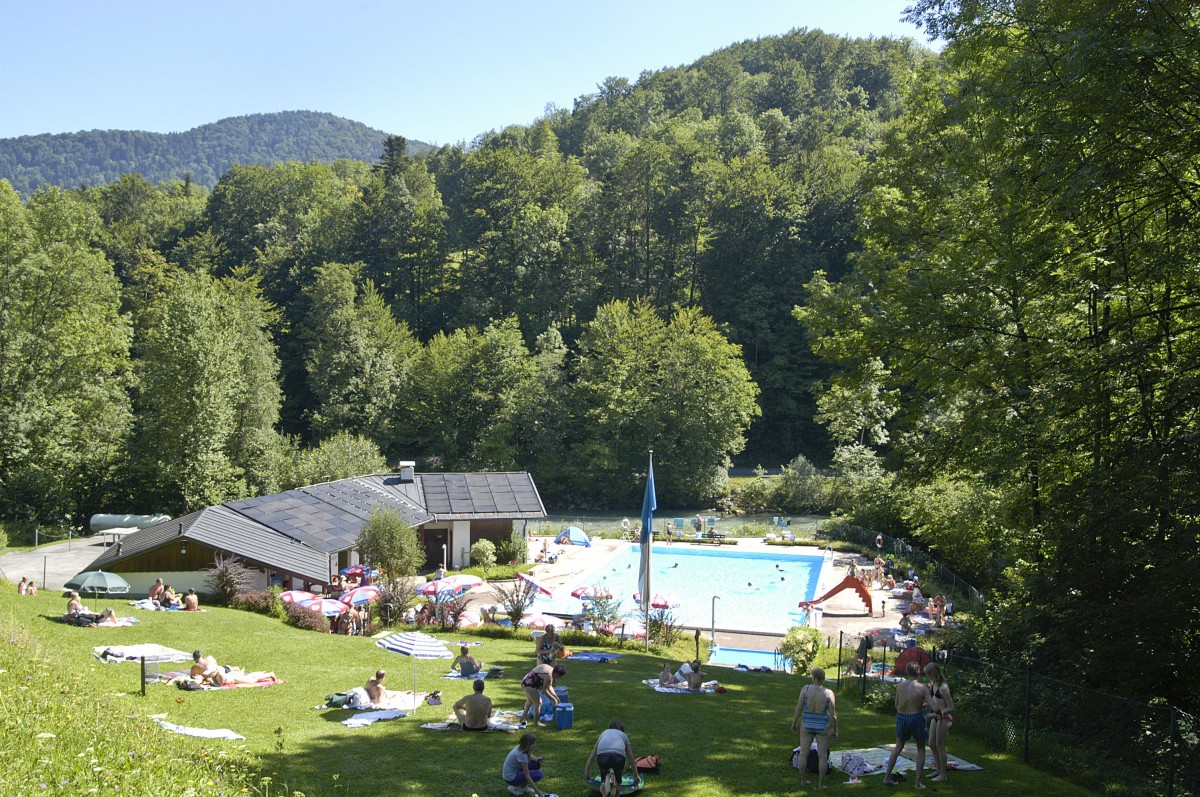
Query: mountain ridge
x=200, y=154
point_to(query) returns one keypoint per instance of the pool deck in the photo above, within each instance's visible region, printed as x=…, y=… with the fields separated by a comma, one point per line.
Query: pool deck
x=844, y=613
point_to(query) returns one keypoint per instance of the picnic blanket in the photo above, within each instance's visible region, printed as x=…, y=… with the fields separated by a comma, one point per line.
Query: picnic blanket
x=875, y=757
x=149, y=650
x=591, y=655
x=365, y=718
x=175, y=675
x=952, y=762
x=457, y=676
x=706, y=688
x=203, y=733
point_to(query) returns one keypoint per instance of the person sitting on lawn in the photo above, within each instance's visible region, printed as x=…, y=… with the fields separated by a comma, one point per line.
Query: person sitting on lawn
x=23, y=585
x=374, y=688
x=191, y=601
x=204, y=666
x=168, y=599
x=695, y=677
x=77, y=613
x=31, y=589
x=156, y=590
x=666, y=677
x=521, y=770
x=474, y=710
x=466, y=665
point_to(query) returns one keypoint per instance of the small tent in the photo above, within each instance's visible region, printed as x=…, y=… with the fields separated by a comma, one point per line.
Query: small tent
x=912, y=653
x=573, y=535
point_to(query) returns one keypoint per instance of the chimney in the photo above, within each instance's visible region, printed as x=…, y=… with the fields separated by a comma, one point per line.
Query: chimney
x=405, y=468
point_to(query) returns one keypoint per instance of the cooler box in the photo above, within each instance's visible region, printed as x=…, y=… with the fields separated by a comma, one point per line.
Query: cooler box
x=561, y=691
x=564, y=716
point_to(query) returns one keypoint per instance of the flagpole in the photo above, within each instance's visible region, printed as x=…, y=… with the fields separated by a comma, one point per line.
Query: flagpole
x=649, y=504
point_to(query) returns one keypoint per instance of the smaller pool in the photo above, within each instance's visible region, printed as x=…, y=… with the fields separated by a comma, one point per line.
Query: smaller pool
x=751, y=658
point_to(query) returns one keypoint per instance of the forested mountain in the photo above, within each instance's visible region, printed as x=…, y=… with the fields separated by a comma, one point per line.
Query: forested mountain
x=202, y=154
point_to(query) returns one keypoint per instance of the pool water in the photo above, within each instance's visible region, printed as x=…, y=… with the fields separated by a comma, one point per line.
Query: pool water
x=758, y=592
x=751, y=658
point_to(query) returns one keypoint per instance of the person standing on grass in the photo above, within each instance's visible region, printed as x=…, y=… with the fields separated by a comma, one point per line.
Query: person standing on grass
x=816, y=713
x=942, y=703
x=912, y=698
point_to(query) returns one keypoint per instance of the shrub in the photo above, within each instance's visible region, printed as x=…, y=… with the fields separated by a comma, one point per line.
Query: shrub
x=267, y=603
x=483, y=554
x=303, y=619
x=662, y=628
x=801, y=644
x=801, y=487
x=755, y=495
x=515, y=597
x=226, y=578
x=396, y=597
x=504, y=572
x=389, y=542
x=513, y=549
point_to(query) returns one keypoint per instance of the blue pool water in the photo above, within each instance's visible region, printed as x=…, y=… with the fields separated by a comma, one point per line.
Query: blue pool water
x=758, y=591
x=751, y=658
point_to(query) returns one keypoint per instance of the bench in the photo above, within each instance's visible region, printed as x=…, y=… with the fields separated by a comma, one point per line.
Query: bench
x=712, y=537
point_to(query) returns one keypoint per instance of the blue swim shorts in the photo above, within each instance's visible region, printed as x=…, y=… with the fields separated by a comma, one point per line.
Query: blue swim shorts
x=910, y=725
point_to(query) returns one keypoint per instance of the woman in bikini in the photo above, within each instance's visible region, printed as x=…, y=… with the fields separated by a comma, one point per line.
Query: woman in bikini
x=942, y=703
x=816, y=714
x=548, y=647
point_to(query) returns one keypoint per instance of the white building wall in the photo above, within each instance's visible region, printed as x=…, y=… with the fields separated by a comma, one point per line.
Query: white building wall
x=460, y=544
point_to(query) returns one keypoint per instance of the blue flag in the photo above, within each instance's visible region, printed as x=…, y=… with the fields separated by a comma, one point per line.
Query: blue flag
x=649, y=504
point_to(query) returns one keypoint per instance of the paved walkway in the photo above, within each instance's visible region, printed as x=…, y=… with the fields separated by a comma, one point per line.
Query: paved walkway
x=52, y=566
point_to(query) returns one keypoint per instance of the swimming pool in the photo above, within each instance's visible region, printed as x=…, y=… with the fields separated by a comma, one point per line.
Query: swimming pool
x=758, y=591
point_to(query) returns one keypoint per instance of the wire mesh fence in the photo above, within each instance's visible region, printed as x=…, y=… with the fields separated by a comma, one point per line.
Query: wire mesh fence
x=1107, y=742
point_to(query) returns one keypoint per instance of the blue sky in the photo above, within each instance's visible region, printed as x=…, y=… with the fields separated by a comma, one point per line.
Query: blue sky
x=436, y=72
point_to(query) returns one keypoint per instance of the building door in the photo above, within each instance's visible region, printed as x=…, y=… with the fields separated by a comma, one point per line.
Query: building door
x=437, y=546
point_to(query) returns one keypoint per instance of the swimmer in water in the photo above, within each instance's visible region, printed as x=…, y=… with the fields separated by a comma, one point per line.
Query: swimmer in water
x=675, y=565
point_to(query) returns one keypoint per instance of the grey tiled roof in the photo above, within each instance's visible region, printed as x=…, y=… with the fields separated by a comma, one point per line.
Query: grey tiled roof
x=297, y=530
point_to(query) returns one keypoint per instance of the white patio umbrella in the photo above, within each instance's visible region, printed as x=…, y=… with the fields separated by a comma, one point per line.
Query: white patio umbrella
x=417, y=645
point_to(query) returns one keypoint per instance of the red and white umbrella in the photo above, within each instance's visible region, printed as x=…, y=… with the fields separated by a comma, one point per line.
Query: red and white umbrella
x=360, y=595
x=456, y=583
x=627, y=627
x=538, y=621
x=326, y=606
x=296, y=596
x=544, y=590
x=658, y=600
x=591, y=593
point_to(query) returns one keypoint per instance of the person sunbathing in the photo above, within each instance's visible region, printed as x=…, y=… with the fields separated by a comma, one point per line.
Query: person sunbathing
x=107, y=617
x=375, y=691
x=234, y=675
x=466, y=665
x=204, y=667
x=191, y=602
x=474, y=710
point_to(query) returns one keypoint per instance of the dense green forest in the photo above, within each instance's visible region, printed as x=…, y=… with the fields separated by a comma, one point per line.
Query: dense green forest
x=962, y=284
x=201, y=155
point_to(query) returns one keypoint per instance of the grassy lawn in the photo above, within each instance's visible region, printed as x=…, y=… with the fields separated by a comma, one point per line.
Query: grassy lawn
x=732, y=744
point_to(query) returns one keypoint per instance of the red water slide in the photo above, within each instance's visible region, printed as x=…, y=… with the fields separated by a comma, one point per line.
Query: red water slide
x=849, y=582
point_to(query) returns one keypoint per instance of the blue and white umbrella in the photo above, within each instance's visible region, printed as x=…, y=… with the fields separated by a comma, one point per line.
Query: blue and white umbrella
x=417, y=645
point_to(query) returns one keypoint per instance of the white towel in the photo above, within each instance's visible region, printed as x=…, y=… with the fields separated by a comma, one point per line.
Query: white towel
x=365, y=718
x=203, y=733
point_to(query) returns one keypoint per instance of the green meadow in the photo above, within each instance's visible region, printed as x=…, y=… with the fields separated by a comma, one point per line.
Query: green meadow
x=74, y=725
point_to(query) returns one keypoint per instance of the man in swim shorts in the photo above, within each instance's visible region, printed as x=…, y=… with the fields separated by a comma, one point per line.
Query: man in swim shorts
x=474, y=710
x=912, y=700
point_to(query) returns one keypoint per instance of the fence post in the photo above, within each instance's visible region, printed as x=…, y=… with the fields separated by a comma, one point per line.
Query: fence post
x=143, y=676
x=840, y=635
x=1171, y=752
x=1028, y=699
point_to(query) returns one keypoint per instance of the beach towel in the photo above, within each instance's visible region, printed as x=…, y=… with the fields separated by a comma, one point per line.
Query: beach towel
x=952, y=762
x=706, y=688
x=589, y=655
x=149, y=650
x=873, y=757
x=203, y=733
x=365, y=718
x=457, y=676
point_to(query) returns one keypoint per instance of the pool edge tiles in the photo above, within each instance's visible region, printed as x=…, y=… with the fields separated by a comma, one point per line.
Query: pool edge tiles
x=753, y=590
